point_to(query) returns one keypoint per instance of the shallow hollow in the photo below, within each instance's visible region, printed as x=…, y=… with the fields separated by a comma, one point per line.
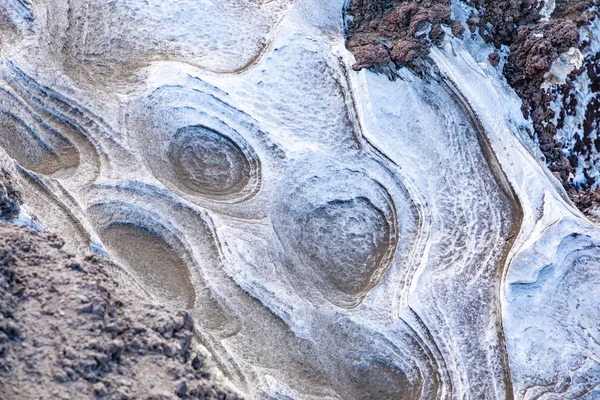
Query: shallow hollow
x=150, y=259
x=379, y=380
x=44, y=154
x=346, y=242
x=207, y=162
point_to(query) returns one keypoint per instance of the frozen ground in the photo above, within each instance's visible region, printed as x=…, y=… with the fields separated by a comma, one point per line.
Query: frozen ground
x=337, y=235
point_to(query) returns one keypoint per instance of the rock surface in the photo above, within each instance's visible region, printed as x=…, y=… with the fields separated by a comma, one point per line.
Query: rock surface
x=68, y=330
x=382, y=31
x=335, y=234
x=536, y=39
x=9, y=197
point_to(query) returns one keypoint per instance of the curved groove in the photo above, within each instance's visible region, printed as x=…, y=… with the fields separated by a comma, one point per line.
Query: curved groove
x=92, y=136
x=435, y=355
x=516, y=214
x=54, y=124
x=39, y=187
x=46, y=155
x=121, y=60
x=260, y=54
x=419, y=205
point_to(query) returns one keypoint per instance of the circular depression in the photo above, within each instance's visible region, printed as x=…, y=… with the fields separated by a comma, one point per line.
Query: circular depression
x=341, y=229
x=208, y=163
x=346, y=242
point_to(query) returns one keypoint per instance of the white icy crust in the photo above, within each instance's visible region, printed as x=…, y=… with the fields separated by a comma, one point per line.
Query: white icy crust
x=573, y=124
x=338, y=235
x=562, y=67
x=552, y=287
x=548, y=9
x=18, y=12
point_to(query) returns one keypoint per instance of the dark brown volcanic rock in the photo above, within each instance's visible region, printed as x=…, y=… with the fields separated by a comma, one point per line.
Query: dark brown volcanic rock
x=380, y=31
x=579, y=11
x=498, y=20
x=384, y=30
x=371, y=55
x=532, y=53
x=67, y=331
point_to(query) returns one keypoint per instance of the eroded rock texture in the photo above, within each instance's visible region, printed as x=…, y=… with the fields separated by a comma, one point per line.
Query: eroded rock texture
x=9, y=196
x=334, y=233
x=67, y=330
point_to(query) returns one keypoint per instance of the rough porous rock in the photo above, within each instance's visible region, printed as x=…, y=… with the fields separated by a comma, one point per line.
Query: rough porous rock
x=531, y=55
x=578, y=118
x=579, y=11
x=535, y=44
x=67, y=330
x=9, y=197
x=499, y=20
x=384, y=30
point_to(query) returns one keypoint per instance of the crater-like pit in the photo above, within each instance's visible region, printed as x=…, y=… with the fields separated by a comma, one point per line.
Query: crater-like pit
x=208, y=163
x=151, y=261
x=340, y=228
x=346, y=241
x=378, y=380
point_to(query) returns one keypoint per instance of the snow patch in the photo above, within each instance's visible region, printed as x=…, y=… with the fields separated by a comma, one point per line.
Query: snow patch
x=562, y=67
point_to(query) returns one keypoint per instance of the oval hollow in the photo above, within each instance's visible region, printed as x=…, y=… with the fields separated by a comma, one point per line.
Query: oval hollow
x=346, y=241
x=208, y=163
x=45, y=155
x=152, y=261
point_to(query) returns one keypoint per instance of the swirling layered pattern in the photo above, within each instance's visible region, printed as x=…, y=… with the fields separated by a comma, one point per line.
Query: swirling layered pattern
x=337, y=235
x=208, y=163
